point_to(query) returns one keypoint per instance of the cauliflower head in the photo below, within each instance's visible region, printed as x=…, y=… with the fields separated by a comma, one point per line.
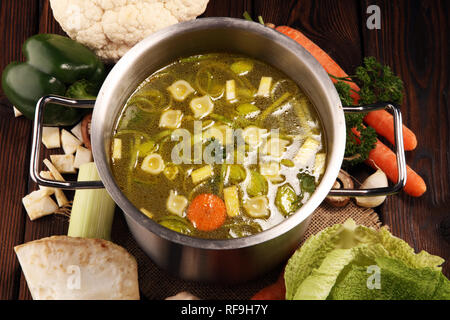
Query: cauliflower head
x=112, y=27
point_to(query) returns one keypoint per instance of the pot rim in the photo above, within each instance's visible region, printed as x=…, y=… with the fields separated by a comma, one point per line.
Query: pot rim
x=335, y=153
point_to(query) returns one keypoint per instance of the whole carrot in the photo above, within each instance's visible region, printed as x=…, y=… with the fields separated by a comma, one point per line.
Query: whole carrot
x=385, y=159
x=380, y=120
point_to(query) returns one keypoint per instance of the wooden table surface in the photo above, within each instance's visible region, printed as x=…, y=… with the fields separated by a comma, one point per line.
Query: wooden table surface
x=413, y=40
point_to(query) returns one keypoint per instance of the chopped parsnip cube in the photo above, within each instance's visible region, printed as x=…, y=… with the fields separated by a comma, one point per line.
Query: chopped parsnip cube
x=253, y=135
x=180, y=90
x=201, y=107
x=257, y=207
x=50, y=137
x=39, y=204
x=82, y=156
x=221, y=133
x=306, y=154
x=264, y=87
x=231, y=197
x=69, y=142
x=64, y=163
x=171, y=119
x=176, y=203
x=202, y=173
x=117, y=148
x=59, y=194
x=17, y=113
x=271, y=170
x=76, y=131
x=153, y=163
x=230, y=86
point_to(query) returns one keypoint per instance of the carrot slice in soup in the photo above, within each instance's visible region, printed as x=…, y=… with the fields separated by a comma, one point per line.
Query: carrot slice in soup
x=207, y=212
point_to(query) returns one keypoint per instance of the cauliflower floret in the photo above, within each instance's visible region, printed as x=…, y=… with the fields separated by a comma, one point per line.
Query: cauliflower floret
x=112, y=27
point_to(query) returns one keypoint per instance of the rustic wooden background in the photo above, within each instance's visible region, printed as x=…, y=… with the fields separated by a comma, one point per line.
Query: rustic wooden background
x=413, y=40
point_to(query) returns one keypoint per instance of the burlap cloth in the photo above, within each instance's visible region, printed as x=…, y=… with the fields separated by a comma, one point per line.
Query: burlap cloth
x=157, y=284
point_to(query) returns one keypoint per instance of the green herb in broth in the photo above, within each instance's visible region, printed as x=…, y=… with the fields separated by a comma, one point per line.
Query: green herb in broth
x=241, y=97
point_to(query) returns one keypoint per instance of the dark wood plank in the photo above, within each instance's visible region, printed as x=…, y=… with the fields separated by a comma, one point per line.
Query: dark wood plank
x=18, y=21
x=413, y=40
x=231, y=8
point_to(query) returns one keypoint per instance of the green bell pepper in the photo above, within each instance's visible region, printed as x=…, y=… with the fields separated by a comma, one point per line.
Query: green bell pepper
x=54, y=65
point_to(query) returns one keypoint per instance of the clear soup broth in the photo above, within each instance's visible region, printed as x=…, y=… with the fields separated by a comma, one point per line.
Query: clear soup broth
x=218, y=146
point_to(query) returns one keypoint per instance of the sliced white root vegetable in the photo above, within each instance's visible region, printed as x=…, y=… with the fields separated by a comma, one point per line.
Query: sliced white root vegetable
x=153, y=163
x=230, y=87
x=201, y=106
x=171, y=119
x=47, y=175
x=221, y=133
x=76, y=131
x=176, y=203
x=59, y=194
x=376, y=180
x=231, y=197
x=275, y=147
x=271, y=170
x=69, y=142
x=306, y=154
x=51, y=138
x=319, y=164
x=82, y=156
x=17, y=113
x=264, y=87
x=253, y=135
x=39, y=204
x=117, y=148
x=180, y=90
x=64, y=163
x=202, y=173
x=257, y=207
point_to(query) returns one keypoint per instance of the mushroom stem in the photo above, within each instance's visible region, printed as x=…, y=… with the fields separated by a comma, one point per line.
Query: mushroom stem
x=343, y=181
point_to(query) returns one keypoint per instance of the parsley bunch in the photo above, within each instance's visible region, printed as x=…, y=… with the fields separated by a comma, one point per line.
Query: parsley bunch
x=377, y=83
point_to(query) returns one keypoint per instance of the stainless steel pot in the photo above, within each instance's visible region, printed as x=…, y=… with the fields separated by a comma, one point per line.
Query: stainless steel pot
x=228, y=260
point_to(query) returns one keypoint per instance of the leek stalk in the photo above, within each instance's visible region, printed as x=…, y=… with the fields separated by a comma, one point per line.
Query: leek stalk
x=92, y=210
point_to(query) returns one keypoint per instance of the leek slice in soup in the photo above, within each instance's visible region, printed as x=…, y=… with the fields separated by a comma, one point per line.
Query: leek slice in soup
x=230, y=134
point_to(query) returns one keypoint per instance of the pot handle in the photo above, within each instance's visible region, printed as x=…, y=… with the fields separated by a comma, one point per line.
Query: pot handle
x=399, y=150
x=36, y=144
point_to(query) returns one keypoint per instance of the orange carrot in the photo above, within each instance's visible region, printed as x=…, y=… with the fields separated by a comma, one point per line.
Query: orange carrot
x=276, y=291
x=383, y=157
x=207, y=212
x=383, y=123
x=381, y=120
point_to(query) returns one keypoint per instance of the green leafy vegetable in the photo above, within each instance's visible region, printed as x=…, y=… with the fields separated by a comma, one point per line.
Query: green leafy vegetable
x=82, y=89
x=333, y=264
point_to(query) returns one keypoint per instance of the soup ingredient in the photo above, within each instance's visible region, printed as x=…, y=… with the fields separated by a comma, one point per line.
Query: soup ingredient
x=54, y=64
x=59, y=194
x=275, y=147
x=207, y=212
x=376, y=180
x=176, y=223
x=258, y=185
x=153, y=164
x=307, y=152
x=38, y=204
x=51, y=138
x=63, y=162
x=231, y=197
x=270, y=170
x=264, y=87
x=117, y=149
x=322, y=264
x=286, y=199
x=82, y=156
x=248, y=109
x=171, y=119
x=384, y=158
x=202, y=106
x=69, y=142
x=242, y=67
x=86, y=130
x=230, y=89
x=253, y=135
x=176, y=203
x=180, y=89
x=111, y=28
x=92, y=210
x=202, y=173
x=81, y=269
x=343, y=181
x=257, y=207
